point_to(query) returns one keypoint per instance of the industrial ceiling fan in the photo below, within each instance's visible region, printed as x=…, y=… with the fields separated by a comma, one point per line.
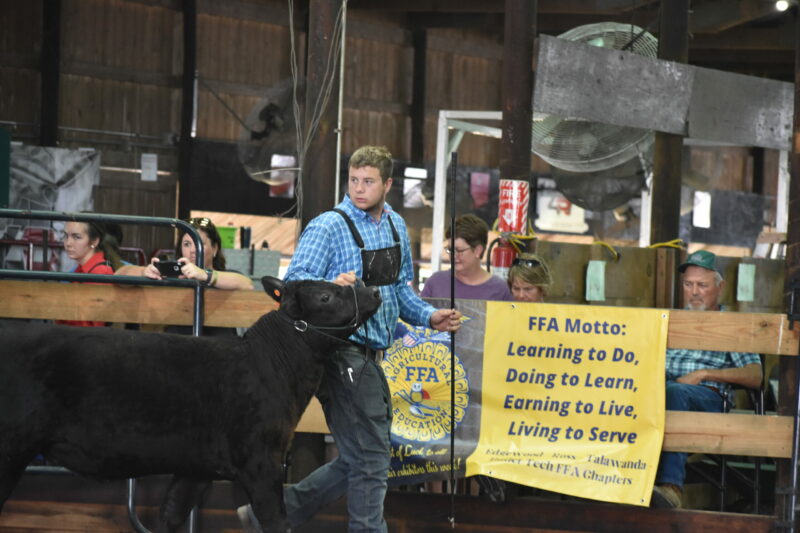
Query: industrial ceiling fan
x=597, y=166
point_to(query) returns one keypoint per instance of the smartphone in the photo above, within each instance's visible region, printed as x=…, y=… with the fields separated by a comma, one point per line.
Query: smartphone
x=170, y=269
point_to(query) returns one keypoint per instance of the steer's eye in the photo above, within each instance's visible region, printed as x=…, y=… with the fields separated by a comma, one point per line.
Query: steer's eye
x=326, y=298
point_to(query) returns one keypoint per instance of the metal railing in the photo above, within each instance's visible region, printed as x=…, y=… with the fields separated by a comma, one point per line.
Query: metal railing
x=31, y=245
x=197, y=323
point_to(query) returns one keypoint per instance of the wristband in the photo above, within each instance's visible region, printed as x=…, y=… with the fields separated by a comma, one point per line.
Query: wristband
x=214, y=278
x=209, y=277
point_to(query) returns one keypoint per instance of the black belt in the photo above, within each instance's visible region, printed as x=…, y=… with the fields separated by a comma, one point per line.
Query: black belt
x=370, y=353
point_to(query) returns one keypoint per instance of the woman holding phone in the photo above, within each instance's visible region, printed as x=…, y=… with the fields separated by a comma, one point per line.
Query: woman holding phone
x=213, y=273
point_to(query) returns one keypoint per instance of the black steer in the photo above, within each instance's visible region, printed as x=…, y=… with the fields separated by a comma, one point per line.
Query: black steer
x=111, y=403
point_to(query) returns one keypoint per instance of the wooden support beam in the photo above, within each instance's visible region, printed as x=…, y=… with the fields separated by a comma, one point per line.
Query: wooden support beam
x=269, y=12
x=494, y=6
x=188, y=107
x=766, y=39
x=721, y=15
x=319, y=166
x=515, y=147
x=555, y=23
x=51, y=72
x=673, y=45
x=418, y=86
x=786, y=481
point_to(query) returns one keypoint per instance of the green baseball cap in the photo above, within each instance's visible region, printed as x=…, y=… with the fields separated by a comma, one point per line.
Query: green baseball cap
x=701, y=258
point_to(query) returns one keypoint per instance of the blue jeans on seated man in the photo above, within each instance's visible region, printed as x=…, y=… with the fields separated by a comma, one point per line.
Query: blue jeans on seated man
x=682, y=397
x=355, y=398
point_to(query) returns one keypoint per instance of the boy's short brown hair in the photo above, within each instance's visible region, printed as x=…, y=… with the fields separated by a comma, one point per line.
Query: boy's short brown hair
x=373, y=156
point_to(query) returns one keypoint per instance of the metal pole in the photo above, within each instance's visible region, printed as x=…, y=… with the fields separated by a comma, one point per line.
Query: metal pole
x=340, y=110
x=453, y=176
x=439, y=194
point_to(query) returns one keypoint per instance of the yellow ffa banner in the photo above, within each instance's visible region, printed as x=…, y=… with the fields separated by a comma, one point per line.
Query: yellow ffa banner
x=573, y=399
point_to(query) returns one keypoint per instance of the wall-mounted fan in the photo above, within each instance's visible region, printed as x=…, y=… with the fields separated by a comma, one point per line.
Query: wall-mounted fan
x=597, y=166
x=267, y=145
x=601, y=190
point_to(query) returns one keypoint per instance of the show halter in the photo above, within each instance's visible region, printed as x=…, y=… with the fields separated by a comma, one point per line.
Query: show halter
x=303, y=326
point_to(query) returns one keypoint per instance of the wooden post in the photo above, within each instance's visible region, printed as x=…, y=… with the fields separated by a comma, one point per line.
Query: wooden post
x=673, y=45
x=788, y=366
x=51, y=72
x=419, y=38
x=518, y=32
x=188, y=107
x=757, y=154
x=318, y=178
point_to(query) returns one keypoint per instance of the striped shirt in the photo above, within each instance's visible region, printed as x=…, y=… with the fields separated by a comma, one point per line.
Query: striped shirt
x=327, y=249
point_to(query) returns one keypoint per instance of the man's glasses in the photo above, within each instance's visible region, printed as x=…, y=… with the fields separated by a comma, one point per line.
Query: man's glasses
x=459, y=251
x=530, y=263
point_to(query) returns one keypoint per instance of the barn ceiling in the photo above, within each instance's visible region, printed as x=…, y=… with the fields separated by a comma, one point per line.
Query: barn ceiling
x=744, y=36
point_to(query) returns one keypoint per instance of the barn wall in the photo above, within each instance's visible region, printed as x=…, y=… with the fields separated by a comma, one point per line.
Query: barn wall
x=20, y=81
x=120, y=86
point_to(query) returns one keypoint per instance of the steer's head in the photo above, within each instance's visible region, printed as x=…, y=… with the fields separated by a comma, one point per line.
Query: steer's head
x=325, y=306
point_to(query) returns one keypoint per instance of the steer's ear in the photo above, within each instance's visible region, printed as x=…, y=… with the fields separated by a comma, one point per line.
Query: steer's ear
x=274, y=287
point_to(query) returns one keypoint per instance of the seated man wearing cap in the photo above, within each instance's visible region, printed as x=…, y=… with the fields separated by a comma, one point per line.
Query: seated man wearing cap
x=698, y=380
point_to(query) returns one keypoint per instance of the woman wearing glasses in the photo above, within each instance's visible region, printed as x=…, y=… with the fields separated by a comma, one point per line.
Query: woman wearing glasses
x=529, y=278
x=472, y=281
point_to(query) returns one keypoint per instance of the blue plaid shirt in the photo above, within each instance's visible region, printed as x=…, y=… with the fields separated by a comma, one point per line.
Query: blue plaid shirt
x=327, y=249
x=681, y=362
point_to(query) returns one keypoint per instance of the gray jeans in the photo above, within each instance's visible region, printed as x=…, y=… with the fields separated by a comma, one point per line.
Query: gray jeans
x=355, y=398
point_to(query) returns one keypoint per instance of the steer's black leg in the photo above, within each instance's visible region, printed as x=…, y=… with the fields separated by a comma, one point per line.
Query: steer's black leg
x=266, y=499
x=182, y=495
x=11, y=470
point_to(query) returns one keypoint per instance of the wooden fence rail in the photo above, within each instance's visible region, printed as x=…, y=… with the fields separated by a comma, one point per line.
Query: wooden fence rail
x=735, y=434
